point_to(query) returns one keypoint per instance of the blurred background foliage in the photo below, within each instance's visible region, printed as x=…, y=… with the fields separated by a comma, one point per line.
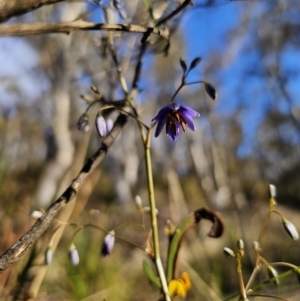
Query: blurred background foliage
x=245, y=140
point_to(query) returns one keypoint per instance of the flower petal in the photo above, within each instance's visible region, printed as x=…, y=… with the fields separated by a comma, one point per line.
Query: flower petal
x=162, y=113
x=109, y=125
x=184, y=110
x=161, y=118
x=189, y=121
x=177, y=288
x=174, y=106
x=159, y=127
x=101, y=126
x=186, y=279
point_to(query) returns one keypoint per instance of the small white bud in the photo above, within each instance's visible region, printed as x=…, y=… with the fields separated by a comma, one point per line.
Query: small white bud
x=273, y=274
x=48, y=255
x=240, y=245
x=108, y=244
x=273, y=190
x=138, y=201
x=228, y=252
x=73, y=255
x=256, y=245
x=290, y=229
x=148, y=210
x=36, y=214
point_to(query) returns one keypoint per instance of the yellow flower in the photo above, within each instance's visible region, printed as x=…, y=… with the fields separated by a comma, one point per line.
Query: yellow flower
x=179, y=287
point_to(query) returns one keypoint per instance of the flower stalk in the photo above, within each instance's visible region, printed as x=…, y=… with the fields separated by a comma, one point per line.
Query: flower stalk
x=154, y=227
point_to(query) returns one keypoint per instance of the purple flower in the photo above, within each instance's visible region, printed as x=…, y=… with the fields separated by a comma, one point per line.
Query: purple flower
x=174, y=116
x=108, y=244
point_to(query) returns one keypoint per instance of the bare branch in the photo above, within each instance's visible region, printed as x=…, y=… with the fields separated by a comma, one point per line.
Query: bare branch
x=13, y=8
x=67, y=27
x=18, y=249
x=175, y=12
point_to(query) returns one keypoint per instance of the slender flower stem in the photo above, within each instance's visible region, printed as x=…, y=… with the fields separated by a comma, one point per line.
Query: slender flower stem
x=194, y=83
x=286, y=264
x=269, y=297
x=251, y=278
x=263, y=283
x=278, y=213
x=264, y=226
x=241, y=281
x=177, y=91
x=158, y=263
x=80, y=227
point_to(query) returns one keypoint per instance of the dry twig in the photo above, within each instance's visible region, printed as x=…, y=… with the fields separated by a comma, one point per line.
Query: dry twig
x=78, y=25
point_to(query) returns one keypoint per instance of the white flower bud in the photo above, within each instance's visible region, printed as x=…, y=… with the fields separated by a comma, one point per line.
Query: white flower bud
x=148, y=210
x=273, y=190
x=256, y=245
x=290, y=229
x=73, y=255
x=228, y=252
x=138, y=201
x=36, y=214
x=108, y=244
x=48, y=255
x=240, y=245
x=273, y=274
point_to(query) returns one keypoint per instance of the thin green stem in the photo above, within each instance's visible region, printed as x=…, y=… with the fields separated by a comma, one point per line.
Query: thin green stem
x=261, y=284
x=154, y=227
x=269, y=296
